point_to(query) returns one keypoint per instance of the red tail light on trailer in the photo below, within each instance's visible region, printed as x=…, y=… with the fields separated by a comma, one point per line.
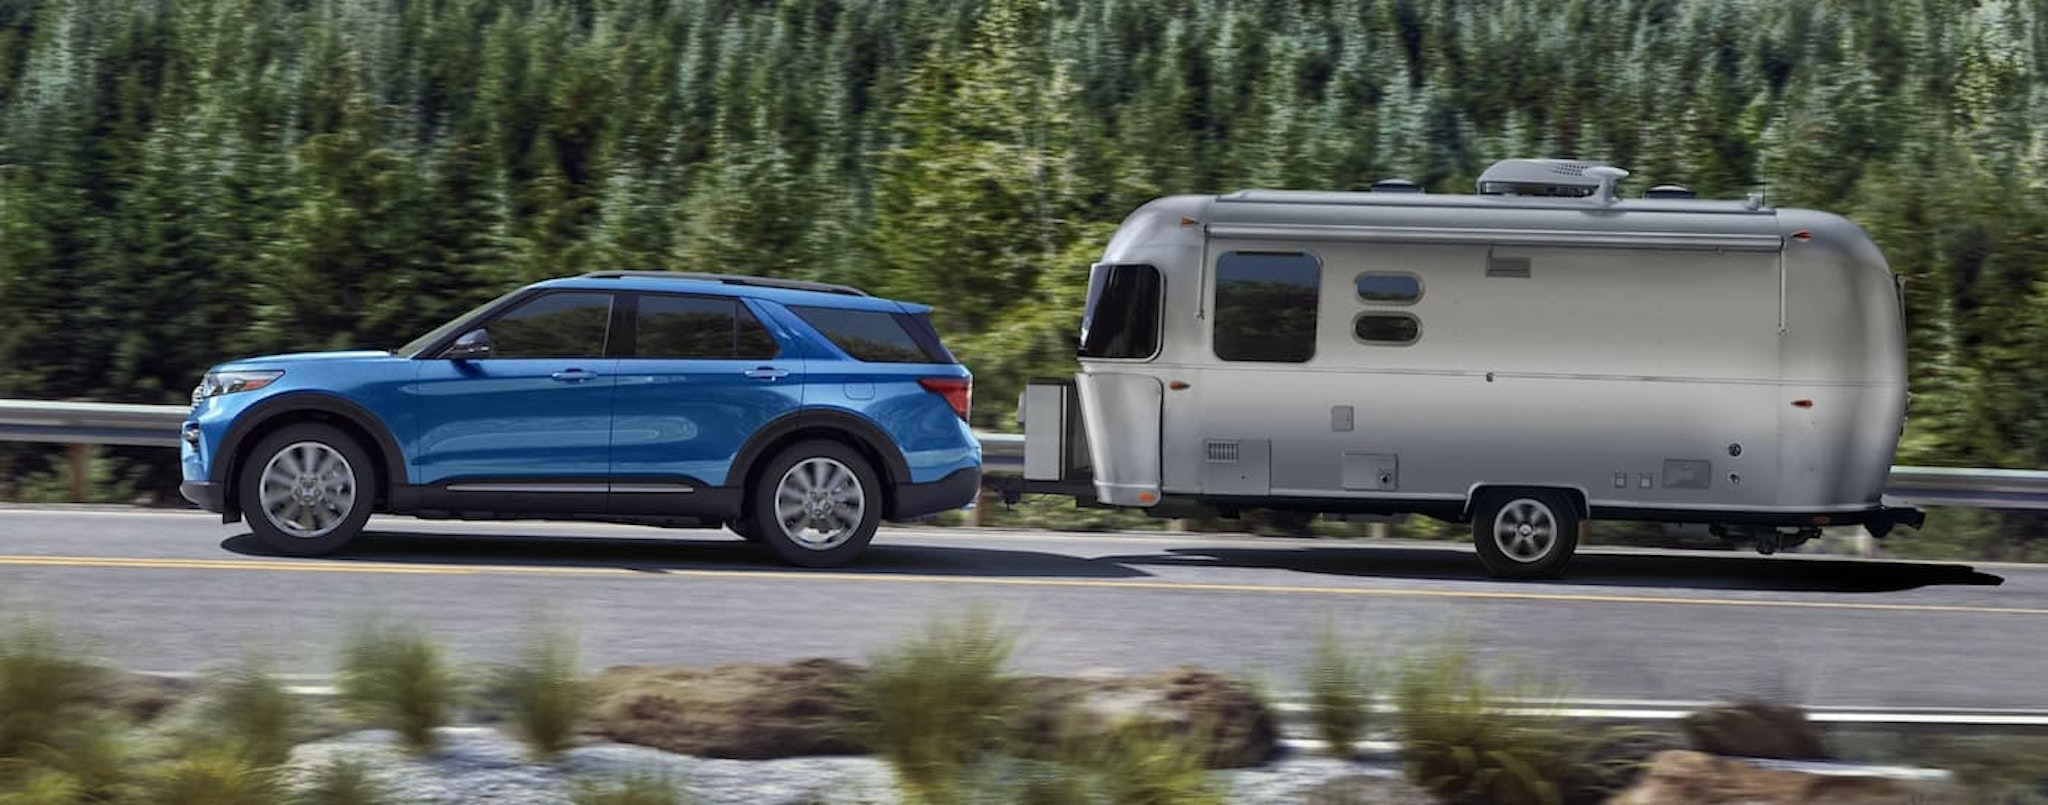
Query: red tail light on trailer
x=958, y=391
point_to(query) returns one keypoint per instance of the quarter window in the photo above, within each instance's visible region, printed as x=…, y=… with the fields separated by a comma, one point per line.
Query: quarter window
x=1389, y=289
x=1396, y=329
x=676, y=326
x=554, y=325
x=874, y=336
x=1266, y=304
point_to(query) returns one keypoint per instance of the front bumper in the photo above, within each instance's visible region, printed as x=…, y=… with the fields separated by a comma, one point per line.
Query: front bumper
x=204, y=494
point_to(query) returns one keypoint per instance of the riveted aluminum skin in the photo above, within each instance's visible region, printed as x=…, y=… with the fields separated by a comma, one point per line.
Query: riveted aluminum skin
x=1652, y=355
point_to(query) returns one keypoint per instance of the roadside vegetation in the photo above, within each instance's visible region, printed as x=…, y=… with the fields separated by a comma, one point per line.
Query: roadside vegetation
x=397, y=677
x=941, y=706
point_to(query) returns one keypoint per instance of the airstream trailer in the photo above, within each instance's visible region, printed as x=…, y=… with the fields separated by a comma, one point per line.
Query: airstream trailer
x=1525, y=358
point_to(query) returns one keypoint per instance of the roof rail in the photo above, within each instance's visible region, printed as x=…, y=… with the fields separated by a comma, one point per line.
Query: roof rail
x=735, y=279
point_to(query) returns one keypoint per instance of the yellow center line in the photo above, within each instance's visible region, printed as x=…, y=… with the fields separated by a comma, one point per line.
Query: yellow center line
x=331, y=566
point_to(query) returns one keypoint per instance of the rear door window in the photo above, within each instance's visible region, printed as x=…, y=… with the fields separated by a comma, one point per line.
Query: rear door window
x=676, y=326
x=876, y=336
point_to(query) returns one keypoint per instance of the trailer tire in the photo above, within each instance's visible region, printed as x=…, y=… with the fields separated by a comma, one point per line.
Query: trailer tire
x=1524, y=533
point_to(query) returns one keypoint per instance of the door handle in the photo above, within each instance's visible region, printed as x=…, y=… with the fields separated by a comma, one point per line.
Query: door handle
x=767, y=373
x=571, y=375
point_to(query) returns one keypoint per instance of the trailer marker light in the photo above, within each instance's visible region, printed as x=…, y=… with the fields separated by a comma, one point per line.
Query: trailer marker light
x=1186, y=221
x=1802, y=236
x=1802, y=403
x=1147, y=497
x=1178, y=385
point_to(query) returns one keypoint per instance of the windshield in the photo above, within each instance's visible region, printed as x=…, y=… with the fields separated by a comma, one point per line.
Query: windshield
x=1121, y=319
x=413, y=349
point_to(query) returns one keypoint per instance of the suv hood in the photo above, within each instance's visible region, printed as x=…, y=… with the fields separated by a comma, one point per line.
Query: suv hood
x=288, y=359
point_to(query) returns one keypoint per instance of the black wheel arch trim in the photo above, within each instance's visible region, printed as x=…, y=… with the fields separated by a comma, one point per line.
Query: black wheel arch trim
x=260, y=415
x=895, y=470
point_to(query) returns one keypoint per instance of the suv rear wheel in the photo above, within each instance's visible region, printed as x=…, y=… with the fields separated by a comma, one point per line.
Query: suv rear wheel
x=307, y=488
x=817, y=504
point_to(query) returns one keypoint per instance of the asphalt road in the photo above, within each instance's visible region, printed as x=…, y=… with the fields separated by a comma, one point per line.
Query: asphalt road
x=176, y=591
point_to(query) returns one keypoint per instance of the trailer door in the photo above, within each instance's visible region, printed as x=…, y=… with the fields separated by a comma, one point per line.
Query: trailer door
x=1258, y=403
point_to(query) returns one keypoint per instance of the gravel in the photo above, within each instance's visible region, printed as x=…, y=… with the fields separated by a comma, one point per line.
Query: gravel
x=483, y=765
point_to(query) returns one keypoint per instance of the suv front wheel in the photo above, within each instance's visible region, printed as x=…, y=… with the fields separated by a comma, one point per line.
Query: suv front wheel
x=307, y=489
x=817, y=504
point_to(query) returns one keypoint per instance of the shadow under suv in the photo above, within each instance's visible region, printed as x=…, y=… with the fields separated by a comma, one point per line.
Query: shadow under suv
x=799, y=415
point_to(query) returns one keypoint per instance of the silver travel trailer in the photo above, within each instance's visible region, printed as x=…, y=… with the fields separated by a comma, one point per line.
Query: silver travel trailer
x=1526, y=358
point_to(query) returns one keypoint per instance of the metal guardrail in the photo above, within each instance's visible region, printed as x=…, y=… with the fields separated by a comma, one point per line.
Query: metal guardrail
x=81, y=424
x=60, y=422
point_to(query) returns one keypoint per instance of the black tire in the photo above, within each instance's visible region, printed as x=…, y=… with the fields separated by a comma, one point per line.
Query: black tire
x=777, y=534
x=1524, y=533
x=308, y=440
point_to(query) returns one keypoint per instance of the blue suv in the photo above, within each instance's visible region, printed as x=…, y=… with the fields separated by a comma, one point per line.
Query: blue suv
x=797, y=414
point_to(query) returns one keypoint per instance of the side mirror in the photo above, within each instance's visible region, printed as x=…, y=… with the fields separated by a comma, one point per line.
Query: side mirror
x=473, y=344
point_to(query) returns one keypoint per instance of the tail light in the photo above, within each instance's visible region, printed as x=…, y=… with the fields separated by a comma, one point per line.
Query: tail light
x=958, y=391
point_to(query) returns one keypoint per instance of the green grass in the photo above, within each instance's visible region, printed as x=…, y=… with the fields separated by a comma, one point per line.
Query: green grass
x=1131, y=763
x=215, y=776
x=1136, y=763
x=344, y=782
x=397, y=677
x=1457, y=744
x=548, y=701
x=249, y=708
x=638, y=788
x=1339, y=683
x=938, y=703
x=45, y=688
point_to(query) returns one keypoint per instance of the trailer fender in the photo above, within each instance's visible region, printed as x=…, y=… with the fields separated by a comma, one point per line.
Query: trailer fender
x=1576, y=494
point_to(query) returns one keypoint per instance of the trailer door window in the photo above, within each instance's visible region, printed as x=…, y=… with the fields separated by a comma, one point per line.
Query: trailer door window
x=1122, y=315
x=1266, y=306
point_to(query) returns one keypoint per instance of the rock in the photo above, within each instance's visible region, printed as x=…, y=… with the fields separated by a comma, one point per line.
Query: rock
x=746, y=711
x=141, y=697
x=1755, y=730
x=1361, y=789
x=1698, y=778
x=1238, y=728
x=1612, y=761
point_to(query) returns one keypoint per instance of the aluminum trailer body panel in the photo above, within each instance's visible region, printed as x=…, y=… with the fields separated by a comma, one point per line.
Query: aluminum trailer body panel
x=1662, y=359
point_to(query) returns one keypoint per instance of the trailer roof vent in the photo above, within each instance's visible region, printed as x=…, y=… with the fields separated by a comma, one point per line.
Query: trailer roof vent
x=1670, y=191
x=1396, y=185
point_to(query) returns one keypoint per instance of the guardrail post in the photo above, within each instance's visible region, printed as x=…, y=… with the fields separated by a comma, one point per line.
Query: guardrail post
x=982, y=501
x=81, y=472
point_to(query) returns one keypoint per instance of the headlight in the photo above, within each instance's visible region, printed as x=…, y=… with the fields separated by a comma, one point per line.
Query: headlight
x=218, y=383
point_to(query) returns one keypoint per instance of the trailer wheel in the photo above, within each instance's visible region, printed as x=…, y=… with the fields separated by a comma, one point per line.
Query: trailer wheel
x=1524, y=534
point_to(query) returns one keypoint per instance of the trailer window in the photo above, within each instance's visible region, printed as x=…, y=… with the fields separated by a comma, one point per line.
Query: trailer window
x=1266, y=306
x=1121, y=319
x=1389, y=289
x=1392, y=329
